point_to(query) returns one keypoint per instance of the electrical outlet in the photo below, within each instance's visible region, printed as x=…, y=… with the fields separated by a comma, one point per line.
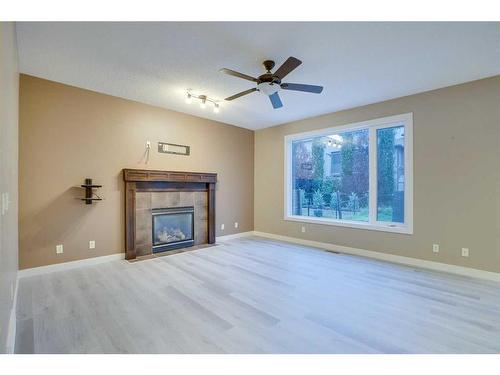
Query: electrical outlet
x=236, y=224
x=465, y=252
x=4, y=203
x=7, y=202
x=222, y=227
x=59, y=249
x=91, y=244
x=435, y=248
x=303, y=229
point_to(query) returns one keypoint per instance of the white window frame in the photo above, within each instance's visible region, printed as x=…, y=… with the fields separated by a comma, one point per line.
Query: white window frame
x=406, y=120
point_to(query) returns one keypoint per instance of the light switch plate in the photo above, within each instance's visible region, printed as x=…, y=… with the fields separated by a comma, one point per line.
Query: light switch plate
x=222, y=227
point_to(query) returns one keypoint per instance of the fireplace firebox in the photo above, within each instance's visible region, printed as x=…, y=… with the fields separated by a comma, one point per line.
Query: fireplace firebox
x=173, y=228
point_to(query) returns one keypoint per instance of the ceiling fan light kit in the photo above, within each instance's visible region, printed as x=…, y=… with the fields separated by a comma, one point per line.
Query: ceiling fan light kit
x=203, y=101
x=268, y=88
x=270, y=84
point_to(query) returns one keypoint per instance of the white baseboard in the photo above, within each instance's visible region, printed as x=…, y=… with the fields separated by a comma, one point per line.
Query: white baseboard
x=233, y=236
x=11, y=335
x=443, y=267
x=436, y=266
x=68, y=265
x=96, y=260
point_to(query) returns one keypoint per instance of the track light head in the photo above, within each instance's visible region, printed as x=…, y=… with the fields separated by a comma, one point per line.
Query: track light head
x=203, y=103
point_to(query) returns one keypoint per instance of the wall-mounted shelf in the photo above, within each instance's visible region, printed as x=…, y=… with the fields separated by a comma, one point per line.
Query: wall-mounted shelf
x=89, y=191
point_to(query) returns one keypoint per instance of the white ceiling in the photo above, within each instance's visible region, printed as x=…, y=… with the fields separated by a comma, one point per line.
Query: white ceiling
x=357, y=63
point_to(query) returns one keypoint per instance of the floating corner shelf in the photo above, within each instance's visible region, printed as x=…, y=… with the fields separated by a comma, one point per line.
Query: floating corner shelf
x=89, y=191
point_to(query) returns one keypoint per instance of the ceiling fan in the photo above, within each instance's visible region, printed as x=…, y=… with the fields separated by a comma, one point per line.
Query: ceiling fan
x=270, y=83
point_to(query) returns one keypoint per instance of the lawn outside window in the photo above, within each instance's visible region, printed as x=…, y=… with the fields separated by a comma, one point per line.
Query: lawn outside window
x=358, y=175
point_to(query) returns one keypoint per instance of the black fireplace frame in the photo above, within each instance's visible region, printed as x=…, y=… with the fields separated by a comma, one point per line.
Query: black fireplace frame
x=167, y=246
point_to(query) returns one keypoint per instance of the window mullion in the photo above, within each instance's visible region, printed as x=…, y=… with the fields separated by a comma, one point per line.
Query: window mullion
x=372, y=175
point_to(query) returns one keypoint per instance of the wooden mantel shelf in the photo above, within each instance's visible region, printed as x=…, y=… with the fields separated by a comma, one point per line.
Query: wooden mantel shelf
x=143, y=180
x=137, y=175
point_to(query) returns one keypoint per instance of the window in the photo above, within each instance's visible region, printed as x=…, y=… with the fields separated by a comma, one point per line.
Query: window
x=358, y=175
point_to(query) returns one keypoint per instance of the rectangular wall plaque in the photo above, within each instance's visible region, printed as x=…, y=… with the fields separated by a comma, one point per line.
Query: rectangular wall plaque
x=170, y=148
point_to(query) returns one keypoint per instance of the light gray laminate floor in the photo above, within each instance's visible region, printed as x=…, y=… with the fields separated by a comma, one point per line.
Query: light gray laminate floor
x=254, y=295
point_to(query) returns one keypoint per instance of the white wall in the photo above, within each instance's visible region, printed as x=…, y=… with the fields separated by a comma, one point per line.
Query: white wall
x=9, y=99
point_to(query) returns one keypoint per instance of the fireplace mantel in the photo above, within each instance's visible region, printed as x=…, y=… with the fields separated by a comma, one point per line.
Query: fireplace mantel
x=142, y=180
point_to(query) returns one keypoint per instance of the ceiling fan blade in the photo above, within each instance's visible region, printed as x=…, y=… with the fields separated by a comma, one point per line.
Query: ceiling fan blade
x=290, y=64
x=300, y=87
x=237, y=74
x=236, y=96
x=275, y=100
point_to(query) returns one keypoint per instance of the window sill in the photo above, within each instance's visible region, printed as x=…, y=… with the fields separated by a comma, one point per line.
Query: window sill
x=351, y=224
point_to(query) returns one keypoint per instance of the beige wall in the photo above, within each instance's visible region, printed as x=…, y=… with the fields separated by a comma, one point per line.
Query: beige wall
x=67, y=134
x=9, y=99
x=456, y=177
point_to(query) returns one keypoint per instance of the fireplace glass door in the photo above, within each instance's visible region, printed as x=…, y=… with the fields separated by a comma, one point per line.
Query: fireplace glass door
x=173, y=228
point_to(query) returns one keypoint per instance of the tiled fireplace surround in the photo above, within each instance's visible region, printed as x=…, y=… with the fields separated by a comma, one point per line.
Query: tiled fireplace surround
x=145, y=202
x=146, y=190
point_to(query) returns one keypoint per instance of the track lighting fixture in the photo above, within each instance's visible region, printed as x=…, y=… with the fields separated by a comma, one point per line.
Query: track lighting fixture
x=203, y=101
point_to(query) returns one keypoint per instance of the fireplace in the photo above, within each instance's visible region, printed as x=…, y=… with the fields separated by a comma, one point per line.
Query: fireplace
x=173, y=228
x=147, y=195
